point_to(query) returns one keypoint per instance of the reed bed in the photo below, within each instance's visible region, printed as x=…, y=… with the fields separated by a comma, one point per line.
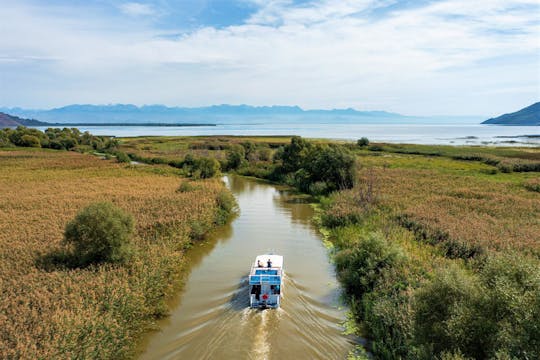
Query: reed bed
x=50, y=311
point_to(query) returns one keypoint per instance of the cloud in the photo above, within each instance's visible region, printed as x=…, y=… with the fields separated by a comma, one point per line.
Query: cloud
x=433, y=58
x=137, y=9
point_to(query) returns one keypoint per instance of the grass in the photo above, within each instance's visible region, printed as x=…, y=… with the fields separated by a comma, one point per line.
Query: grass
x=48, y=310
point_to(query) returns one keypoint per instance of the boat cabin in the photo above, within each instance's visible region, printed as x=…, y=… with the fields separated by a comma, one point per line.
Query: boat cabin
x=266, y=281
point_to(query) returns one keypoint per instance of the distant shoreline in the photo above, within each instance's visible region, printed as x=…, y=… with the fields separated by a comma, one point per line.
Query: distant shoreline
x=124, y=124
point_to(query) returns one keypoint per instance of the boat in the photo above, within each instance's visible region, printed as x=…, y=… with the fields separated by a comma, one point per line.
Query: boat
x=266, y=281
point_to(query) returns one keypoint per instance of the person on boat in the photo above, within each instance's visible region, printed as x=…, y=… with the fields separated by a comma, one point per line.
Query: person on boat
x=259, y=263
x=269, y=263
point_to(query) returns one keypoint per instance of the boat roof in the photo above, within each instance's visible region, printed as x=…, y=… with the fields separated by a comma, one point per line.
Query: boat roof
x=277, y=260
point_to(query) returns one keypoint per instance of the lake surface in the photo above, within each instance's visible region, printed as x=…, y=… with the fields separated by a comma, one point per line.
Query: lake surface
x=458, y=131
x=212, y=320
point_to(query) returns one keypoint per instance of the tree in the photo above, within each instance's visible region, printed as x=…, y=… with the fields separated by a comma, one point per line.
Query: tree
x=363, y=142
x=294, y=154
x=100, y=232
x=333, y=165
x=236, y=157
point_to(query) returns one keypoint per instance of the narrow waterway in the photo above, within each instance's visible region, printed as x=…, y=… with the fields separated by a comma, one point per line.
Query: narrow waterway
x=212, y=320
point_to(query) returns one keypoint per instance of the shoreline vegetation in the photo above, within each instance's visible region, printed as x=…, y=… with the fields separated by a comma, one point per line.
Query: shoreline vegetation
x=436, y=246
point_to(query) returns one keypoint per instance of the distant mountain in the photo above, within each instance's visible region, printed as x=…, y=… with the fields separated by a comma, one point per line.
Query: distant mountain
x=127, y=113
x=7, y=120
x=524, y=117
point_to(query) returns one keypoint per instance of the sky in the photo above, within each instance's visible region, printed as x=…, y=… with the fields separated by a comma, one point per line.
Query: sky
x=421, y=57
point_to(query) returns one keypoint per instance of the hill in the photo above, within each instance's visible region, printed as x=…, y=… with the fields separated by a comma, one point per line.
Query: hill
x=529, y=116
x=7, y=120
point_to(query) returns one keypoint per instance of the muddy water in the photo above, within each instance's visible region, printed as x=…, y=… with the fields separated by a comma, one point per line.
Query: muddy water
x=212, y=319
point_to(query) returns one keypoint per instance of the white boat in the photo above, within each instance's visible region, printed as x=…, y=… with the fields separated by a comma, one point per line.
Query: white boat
x=266, y=281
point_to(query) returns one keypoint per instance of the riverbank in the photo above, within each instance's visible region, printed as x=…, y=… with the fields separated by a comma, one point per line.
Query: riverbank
x=51, y=310
x=436, y=246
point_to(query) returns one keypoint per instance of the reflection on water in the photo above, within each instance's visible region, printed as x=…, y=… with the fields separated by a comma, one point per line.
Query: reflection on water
x=212, y=318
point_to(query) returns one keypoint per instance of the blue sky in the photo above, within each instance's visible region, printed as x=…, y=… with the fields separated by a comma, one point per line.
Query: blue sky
x=451, y=57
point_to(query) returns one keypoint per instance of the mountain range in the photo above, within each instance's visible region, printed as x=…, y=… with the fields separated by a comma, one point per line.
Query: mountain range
x=127, y=113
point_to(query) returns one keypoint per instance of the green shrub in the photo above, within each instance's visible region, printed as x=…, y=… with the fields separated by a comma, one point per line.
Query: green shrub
x=205, y=168
x=236, y=157
x=440, y=307
x=293, y=156
x=186, y=186
x=100, y=232
x=226, y=206
x=265, y=154
x=122, y=157
x=375, y=148
x=30, y=141
x=485, y=315
x=363, y=142
x=332, y=165
x=360, y=266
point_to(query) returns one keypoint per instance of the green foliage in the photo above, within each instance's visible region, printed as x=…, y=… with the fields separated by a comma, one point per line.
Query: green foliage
x=122, y=157
x=249, y=148
x=205, y=168
x=30, y=141
x=360, y=266
x=236, y=157
x=265, y=154
x=332, y=165
x=53, y=138
x=293, y=155
x=316, y=169
x=483, y=315
x=100, y=232
x=447, y=297
x=186, y=186
x=363, y=142
x=4, y=138
x=226, y=206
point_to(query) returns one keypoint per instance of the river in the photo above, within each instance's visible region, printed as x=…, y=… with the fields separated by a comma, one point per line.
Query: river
x=211, y=318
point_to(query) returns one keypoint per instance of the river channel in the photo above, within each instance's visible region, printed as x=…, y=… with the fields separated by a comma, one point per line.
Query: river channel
x=211, y=318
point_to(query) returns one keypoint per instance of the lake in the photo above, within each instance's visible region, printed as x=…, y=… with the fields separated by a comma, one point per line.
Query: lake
x=457, y=131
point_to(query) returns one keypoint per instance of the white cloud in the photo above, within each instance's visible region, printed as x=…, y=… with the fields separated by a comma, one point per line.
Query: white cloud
x=328, y=54
x=137, y=9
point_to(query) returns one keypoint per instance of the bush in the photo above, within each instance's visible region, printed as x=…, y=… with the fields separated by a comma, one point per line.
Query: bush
x=265, y=154
x=332, y=165
x=360, y=266
x=30, y=141
x=485, y=315
x=186, y=186
x=205, y=168
x=122, y=157
x=236, y=157
x=293, y=156
x=100, y=232
x=441, y=305
x=226, y=206
x=363, y=142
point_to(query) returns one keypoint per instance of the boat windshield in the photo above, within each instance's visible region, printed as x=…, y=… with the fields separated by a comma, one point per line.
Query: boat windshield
x=266, y=272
